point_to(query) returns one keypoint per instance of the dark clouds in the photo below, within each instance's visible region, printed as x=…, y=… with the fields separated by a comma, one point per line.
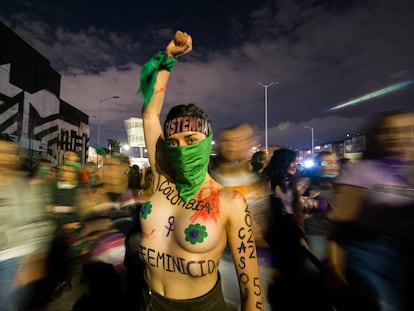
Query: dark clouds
x=322, y=53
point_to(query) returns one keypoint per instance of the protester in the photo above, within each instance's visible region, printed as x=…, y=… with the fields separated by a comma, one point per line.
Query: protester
x=134, y=178
x=287, y=238
x=233, y=169
x=190, y=218
x=25, y=229
x=65, y=211
x=258, y=163
x=373, y=217
x=287, y=234
x=321, y=189
x=107, y=208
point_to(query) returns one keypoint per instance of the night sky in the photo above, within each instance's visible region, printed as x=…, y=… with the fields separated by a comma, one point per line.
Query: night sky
x=321, y=53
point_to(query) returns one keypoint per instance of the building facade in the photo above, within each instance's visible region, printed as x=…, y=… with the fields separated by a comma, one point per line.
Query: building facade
x=31, y=110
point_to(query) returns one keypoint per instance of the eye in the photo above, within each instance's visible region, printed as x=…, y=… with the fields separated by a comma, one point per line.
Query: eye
x=192, y=140
x=172, y=142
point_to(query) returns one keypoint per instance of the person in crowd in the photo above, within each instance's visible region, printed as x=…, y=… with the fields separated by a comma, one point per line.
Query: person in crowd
x=190, y=218
x=65, y=211
x=147, y=181
x=89, y=173
x=108, y=208
x=45, y=171
x=114, y=178
x=321, y=189
x=134, y=178
x=287, y=237
x=258, y=163
x=25, y=228
x=287, y=216
x=233, y=169
x=373, y=216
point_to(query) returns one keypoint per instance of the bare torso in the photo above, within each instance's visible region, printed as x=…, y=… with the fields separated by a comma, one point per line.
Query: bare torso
x=182, y=242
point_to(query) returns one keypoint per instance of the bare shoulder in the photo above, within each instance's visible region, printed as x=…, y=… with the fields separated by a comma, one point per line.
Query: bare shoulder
x=231, y=200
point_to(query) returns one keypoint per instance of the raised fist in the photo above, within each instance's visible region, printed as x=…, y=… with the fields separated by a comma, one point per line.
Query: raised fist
x=180, y=45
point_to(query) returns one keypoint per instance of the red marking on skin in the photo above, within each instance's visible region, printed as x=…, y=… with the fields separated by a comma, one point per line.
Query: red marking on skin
x=213, y=200
x=162, y=89
x=235, y=195
x=147, y=235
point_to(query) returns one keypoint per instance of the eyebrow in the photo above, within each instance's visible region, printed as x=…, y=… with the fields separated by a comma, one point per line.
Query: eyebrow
x=192, y=134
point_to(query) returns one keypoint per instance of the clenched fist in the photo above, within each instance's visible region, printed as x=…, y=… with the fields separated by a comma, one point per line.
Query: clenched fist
x=180, y=45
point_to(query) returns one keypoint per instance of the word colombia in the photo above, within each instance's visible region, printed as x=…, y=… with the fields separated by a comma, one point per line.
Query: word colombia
x=169, y=192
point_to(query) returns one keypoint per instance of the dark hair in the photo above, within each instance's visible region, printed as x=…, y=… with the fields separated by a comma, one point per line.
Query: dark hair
x=278, y=165
x=257, y=160
x=190, y=110
x=134, y=177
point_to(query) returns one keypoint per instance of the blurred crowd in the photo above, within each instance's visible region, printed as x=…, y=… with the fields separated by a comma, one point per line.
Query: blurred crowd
x=54, y=218
x=338, y=236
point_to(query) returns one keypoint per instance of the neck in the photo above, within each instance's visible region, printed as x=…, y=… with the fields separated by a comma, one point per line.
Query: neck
x=233, y=168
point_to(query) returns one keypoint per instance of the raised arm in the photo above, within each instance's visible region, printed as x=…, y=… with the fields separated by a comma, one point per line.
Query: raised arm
x=243, y=249
x=154, y=91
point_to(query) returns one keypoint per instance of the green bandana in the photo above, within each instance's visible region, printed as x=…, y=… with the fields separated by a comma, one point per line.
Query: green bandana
x=75, y=165
x=43, y=171
x=190, y=164
x=149, y=71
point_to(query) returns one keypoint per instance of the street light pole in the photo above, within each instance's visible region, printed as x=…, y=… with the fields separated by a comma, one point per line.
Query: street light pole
x=313, y=138
x=265, y=103
x=99, y=116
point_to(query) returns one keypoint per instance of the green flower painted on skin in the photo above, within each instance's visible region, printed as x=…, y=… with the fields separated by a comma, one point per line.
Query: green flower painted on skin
x=145, y=210
x=195, y=233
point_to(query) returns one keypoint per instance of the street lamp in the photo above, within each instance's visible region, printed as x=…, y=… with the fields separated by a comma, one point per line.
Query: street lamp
x=99, y=116
x=265, y=102
x=313, y=137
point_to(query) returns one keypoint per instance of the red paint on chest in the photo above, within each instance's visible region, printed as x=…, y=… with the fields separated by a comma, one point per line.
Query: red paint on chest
x=210, y=208
x=147, y=235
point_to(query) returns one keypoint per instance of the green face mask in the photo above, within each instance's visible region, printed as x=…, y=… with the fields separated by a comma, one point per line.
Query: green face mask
x=190, y=164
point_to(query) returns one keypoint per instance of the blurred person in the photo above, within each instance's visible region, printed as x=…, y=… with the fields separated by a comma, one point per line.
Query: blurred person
x=105, y=210
x=258, y=163
x=45, y=171
x=148, y=180
x=286, y=213
x=135, y=268
x=321, y=190
x=287, y=237
x=63, y=207
x=373, y=217
x=25, y=228
x=109, y=216
x=233, y=170
x=134, y=179
x=190, y=218
x=89, y=173
x=114, y=178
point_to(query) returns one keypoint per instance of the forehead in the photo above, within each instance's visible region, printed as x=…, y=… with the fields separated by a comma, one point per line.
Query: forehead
x=185, y=124
x=185, y=135
x=241, y=132
x=400, y=120
x=329, y=157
